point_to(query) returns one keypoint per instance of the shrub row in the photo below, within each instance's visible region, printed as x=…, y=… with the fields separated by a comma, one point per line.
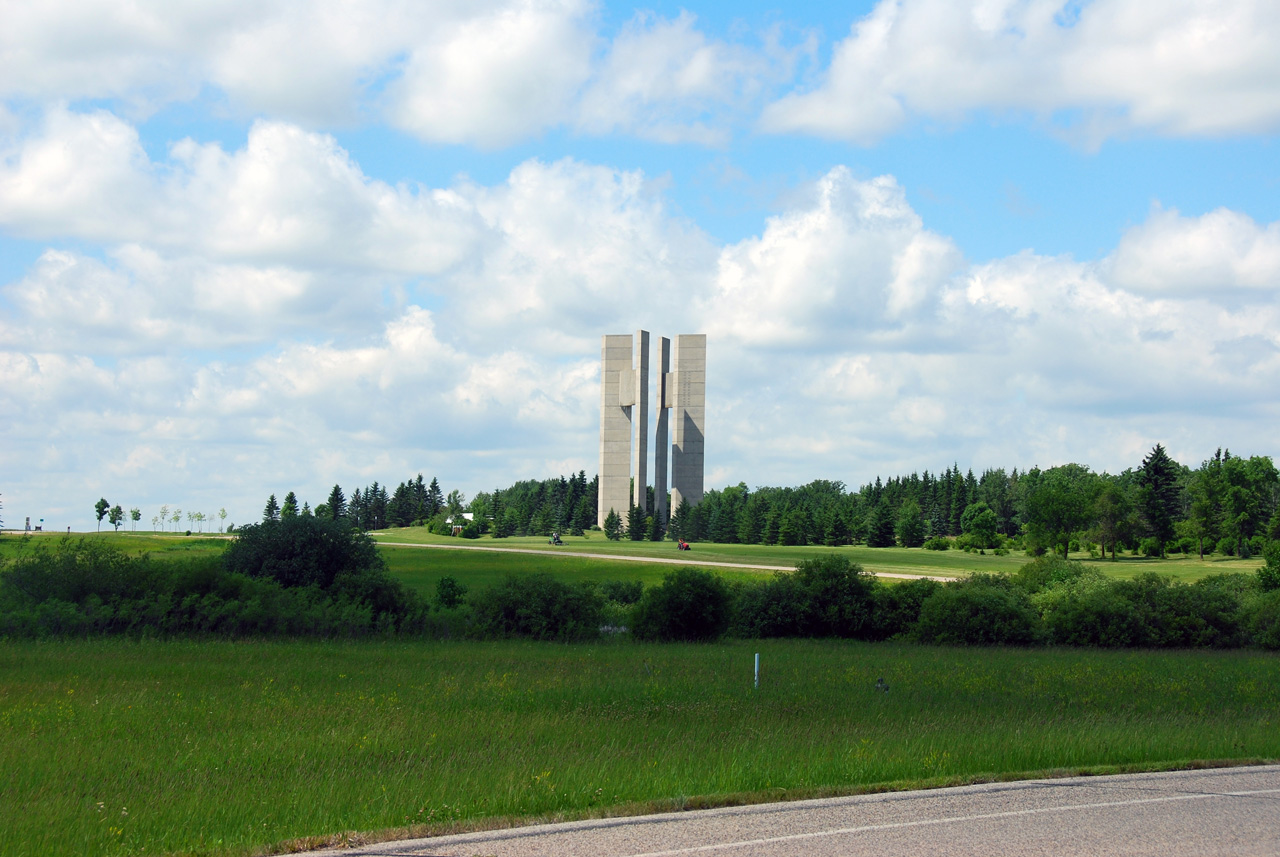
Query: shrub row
x=89, y=587
x=315, y=581
x=1049, y=601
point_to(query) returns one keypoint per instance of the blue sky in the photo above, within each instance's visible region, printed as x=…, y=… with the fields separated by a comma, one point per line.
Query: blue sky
x=256, y=247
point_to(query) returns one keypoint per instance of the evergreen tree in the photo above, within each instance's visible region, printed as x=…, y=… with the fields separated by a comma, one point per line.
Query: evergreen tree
x=880, y=528
x=272, y=510
x=1158, y=495
x=337, y=503
x=613, y=526
x=678, y=523
x=910, y=527
x=290, y=507
x=635, y=523
x=435, y=498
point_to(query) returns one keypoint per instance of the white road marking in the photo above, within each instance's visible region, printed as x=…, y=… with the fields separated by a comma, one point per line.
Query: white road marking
x=795, y=837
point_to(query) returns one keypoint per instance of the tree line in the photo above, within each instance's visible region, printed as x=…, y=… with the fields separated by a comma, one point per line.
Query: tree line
x=1228, y=504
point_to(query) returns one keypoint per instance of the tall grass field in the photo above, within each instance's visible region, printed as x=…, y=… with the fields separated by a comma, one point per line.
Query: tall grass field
x=114, y=746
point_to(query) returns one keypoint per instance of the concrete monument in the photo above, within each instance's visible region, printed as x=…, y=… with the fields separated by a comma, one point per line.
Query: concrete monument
x=624, y=422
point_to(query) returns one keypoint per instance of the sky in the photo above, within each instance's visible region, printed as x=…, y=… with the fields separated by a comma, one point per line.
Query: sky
x=254, y=247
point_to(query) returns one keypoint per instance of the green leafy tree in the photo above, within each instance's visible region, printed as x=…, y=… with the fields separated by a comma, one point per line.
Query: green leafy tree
x=222, y=519
x=135, y=515
x=116, y=517
x=1060, y=504
x=175, y=517
x=272, y=510
x=101, y=508
x=164, y=516
x=1249, y=486
x=980, y=523
x=290, y=507
x=1112, y=515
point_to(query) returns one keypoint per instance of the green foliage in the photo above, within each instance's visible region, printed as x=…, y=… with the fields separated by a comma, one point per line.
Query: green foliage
x=302, y=551
x=910, y=526
x=622, y=591
x=826, y=596
x=612, y=526
x=880, y=532
x=100, y=509
x=689, y=604
x=80, y=587
x=897, y=607
x=1263, y=619
x=450, y=594
x=981, y=610
x=980, y=524
x=1269, y=574
x=537, y=606
x=937, y=543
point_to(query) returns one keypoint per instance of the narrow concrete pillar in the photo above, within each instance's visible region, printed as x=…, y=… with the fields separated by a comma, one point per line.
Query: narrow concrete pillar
x=689, y=415
x=661, y=439
x=640, y=422
x=617, y=392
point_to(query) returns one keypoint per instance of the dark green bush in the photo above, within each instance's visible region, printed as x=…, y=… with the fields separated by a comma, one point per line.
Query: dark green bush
x=449, y=593
x=1263, y=617
x=622, y=591
x=937, y=543
x=1269, y=574
x=775, y=608
x=302, y=551
x=897, y=607
x=841, y=597
x=689, y=604
x=1101, y=617
x=1048, y=571
x=537, y=606
x=89, y=587
x=979, y=610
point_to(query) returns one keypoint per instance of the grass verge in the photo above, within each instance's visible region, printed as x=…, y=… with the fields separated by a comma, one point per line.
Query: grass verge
x=122, y=747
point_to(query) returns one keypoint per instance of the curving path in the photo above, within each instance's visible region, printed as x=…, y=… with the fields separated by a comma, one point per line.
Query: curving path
x=629, y=558
x=1225, y=811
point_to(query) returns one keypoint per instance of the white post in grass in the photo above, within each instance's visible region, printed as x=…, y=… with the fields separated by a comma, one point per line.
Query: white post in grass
x=757, y=670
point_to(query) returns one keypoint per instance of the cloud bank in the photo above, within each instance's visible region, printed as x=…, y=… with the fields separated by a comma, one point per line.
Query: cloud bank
x=272, y=318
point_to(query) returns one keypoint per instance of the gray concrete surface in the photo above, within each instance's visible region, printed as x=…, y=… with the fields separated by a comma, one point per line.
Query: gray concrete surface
x=1225, y=811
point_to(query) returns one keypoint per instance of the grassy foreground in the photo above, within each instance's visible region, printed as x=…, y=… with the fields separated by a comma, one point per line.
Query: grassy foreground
x=122, y=747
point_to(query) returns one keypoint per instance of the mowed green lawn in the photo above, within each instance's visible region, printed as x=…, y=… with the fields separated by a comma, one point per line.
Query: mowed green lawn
x=212, y=747
x=951, y=563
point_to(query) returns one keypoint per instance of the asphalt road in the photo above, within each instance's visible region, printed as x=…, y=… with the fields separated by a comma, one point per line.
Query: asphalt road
x=1225, y=811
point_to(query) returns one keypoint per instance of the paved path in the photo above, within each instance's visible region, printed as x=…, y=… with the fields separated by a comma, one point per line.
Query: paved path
x=1226, y=811
x=627, y=558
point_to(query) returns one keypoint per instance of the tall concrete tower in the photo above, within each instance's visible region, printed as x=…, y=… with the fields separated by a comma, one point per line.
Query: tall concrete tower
x=624, y=422
x=688, y=397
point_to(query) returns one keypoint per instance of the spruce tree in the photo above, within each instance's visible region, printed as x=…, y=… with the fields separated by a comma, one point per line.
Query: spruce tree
x=290, y=507
x=337, y=503
x=272, y=510
x=1158, y=494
